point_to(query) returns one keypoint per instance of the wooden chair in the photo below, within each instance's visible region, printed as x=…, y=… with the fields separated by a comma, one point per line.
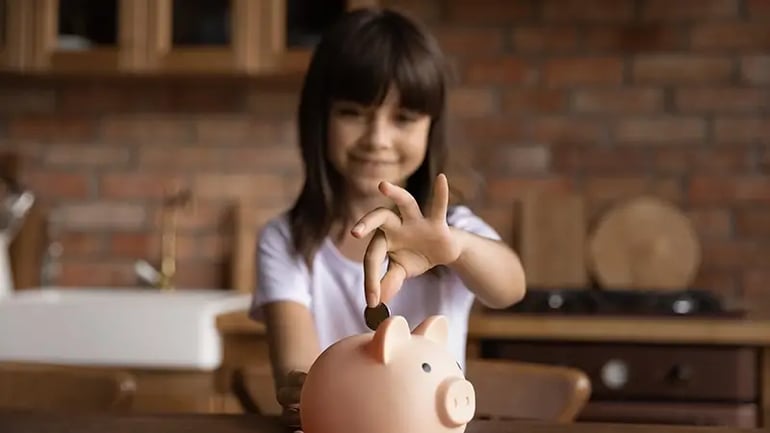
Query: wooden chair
x=504, y=390
x=519, y=390
x=64, y=388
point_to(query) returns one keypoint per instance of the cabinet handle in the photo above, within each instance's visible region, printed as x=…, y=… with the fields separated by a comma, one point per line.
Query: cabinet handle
x=614, y=374
x=680, y=374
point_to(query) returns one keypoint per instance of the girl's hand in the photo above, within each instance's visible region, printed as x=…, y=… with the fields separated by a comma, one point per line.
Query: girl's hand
x=414, y=243
x=288, y=397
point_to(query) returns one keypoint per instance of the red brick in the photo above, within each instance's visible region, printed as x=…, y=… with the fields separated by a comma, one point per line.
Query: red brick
x=200, y=274
x=742, y=130
x=660, y=130
x=735, y=254
x=602, y=191
x=98, y=98
x=147, y=129
x=59, y=185
x=721, y=99
x=470, y=41
x=756, y=291
x=722, y=283
x=544, y=39
x=628, y=100
x=634, y=38
x=229, y=130
x=513, y=160
x=716, y=190
x=534, y=101
x=131, y=245
x=758, y=8
x=711, y=222
x=51, y=128
x=731, y=36
x=583, y=71
x=506, y=189
x=590, y=158
x=135, y=185
x=752, y=223
x=466, y=101
x=721, y=159
x=101, y=215
x=203, y=215
x=563, y=129
x=498, y=70
x=689, y=9
x=212, y=98
x=97, y=274
x=80, y=243
x=489, y=12
x=179, y=158
x=755, y=69
x=588, y=10
x=249, y=187
x=682, y=68
x=273, y=159
x=492, y=129
x=86, y=156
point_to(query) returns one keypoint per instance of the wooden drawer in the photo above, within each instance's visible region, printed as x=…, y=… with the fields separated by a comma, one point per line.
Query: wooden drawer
x=702, y=414
x=648, y=372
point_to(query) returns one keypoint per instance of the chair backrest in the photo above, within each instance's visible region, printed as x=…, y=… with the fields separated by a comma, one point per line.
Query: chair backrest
x=64, y=388
x=517, y=390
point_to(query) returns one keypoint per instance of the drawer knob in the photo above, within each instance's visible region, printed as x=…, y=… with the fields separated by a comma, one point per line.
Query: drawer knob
x=680, y=374
x=614, y=374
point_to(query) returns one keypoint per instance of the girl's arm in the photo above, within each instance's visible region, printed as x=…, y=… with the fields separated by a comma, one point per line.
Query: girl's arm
x=490, y=269
x=292, y=339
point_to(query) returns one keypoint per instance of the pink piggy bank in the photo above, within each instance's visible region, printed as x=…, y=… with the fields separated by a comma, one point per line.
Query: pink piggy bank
x=389, y=381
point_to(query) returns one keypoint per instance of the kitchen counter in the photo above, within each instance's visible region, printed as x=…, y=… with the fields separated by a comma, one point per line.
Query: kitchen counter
x=718, y=331
x=738, y=346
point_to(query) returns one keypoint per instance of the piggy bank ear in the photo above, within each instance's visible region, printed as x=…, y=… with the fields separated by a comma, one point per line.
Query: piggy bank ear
x=389, y=336
x=434, y=328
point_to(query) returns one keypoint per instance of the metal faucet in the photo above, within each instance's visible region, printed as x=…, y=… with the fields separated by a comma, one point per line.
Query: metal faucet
x=176, y=200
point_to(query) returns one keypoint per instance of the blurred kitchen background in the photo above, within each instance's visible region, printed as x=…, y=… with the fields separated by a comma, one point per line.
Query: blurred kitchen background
x=622, y=146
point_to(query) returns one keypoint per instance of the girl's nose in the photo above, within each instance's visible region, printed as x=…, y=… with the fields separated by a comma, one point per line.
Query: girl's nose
x=378, y=134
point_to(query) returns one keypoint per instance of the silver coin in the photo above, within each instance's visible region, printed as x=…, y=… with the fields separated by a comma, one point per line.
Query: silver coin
x=376, y=315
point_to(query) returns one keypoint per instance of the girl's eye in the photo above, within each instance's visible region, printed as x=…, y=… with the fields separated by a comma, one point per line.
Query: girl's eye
x=347, y=112
x=405, y=117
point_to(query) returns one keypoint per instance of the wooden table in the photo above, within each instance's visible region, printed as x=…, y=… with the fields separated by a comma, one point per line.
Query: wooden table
x=29, y=422
x=245, y=338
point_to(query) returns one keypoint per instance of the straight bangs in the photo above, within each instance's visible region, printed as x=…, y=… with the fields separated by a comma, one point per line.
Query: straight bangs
x=389, y=52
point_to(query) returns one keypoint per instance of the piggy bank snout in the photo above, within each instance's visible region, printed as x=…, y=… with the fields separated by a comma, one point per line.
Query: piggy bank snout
x=456, y=402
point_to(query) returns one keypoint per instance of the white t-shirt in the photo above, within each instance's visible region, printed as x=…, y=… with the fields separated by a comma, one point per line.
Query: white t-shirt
x=334, y=292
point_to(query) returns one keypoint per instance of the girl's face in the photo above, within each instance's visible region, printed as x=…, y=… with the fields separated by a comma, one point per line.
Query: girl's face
x=370, y=144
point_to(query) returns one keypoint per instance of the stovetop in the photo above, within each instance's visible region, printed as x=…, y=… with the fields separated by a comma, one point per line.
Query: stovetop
x=623, y=302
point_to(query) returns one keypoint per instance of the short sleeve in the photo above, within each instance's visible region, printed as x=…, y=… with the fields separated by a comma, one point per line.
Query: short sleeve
x=462, y=217
x=281, y=274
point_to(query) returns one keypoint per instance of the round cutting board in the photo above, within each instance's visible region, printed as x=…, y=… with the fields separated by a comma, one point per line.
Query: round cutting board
x=644, y=243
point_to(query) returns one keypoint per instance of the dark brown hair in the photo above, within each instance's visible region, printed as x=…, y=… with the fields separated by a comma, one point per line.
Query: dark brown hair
x=358, y=59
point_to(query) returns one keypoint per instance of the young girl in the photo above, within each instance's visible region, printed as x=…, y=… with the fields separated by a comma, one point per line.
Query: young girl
x=371, y=130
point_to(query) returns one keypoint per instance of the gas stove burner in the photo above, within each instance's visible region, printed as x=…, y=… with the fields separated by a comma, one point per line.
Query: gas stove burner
x=622, y=302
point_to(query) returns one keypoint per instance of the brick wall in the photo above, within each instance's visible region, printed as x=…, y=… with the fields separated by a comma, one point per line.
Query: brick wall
x=607, y=97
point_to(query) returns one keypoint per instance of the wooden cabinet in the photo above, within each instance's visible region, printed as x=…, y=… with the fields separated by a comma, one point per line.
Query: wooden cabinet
x=149, y=37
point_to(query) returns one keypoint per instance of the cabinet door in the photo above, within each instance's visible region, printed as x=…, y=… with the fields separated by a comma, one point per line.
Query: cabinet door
x=207, y=35
x=16, y=34
x=90, y=35
x=302, y=22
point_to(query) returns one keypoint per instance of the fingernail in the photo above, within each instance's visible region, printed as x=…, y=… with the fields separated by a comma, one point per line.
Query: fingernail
x=358, y=227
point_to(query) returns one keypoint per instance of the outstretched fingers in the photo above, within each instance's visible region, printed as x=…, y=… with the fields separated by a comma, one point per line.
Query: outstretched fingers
x=373, y=259
x=440, y=201
x=407, y=204
x=379, y=218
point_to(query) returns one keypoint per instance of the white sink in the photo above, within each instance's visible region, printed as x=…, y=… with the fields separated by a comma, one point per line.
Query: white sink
x=129, y=327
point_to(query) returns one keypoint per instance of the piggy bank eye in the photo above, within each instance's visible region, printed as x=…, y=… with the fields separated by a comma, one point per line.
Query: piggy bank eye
x=426, y=367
